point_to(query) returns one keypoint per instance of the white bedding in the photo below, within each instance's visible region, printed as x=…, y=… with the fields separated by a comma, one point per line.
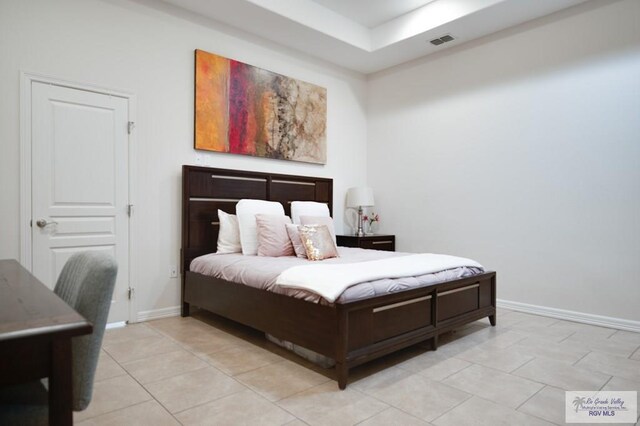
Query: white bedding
x=262, y=272
x=331, y=280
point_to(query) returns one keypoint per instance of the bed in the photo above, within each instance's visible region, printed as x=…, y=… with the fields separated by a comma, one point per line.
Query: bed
x=351, y=332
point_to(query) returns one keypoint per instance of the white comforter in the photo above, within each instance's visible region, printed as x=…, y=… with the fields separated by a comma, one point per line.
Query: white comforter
x=329, y=281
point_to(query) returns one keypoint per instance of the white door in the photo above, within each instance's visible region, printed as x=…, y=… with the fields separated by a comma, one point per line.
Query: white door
x=80, y=182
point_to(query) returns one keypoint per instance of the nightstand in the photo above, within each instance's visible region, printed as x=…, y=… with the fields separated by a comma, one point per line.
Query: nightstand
x=375, y=242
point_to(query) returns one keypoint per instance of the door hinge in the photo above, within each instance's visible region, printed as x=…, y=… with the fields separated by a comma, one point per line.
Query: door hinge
x=130, y=291
x=129, y=209
x=130, y=126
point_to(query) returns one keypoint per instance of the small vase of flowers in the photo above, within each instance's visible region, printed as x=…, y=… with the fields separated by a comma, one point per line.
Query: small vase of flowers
x=369, y=220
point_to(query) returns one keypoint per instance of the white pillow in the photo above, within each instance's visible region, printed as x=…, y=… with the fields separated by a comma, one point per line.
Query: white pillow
x=247, y=211
x=308, y=208
x=229, y=233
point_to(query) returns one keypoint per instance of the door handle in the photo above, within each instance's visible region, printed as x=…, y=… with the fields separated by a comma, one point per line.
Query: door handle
x=43, y=222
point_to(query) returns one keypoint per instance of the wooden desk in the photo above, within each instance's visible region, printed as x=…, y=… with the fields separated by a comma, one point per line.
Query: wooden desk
x=36, y=328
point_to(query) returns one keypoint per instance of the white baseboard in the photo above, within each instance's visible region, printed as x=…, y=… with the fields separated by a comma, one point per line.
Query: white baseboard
x=599, y=320
x=153, y=314
x=115, y=325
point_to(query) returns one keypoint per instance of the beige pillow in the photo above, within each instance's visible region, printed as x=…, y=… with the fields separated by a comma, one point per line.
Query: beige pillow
x=317, y=242
x=273, y=240
x=294, y=236
x=320, y=220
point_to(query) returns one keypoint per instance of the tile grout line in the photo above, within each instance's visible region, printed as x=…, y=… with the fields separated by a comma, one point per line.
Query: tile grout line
x=173, y=374
x=277, y=403
x=501, y=371
x=462, y=369
x=240, y=373
x=606, y=383
x=454, y=407
x=112, y=411
x=636, y=351
x=563, y=340
x=517, y=368
x=581, y=358
x=516, y=410
x=534, y=415
x=141, y=359
x=210, y=401
x=373, y=415
x=612, y=334
x=527, y=400
x=287, y=396
x=298, y=419
x=126, y=406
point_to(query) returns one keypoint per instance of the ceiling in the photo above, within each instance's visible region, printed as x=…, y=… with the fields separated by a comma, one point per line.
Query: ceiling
x=372, y=13
x=371, y=35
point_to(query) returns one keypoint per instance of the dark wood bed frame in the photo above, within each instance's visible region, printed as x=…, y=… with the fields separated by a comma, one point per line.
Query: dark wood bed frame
x=351, y=333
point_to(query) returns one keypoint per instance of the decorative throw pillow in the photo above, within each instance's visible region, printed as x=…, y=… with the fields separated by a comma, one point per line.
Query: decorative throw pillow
x=228, y=234
x=247, y=211
x=296, y=242
x=317, y=242
x=273, y=240
x=320, y=220
x=308, y=208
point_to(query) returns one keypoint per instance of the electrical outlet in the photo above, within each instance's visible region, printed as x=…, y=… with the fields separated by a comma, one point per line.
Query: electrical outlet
x=173, y=272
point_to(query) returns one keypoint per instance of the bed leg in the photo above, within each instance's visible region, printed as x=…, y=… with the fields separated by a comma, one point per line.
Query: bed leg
x=492, y=319
x=185, y=309
x=434, y=343
x=343, y=373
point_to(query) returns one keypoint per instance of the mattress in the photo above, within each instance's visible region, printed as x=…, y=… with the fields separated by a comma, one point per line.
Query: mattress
x=262, y=272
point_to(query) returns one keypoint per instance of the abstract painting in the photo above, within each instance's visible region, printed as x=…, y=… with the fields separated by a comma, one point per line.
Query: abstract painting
x=242, y=109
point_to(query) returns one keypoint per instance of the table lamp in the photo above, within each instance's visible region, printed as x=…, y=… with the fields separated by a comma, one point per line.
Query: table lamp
x=359, y=197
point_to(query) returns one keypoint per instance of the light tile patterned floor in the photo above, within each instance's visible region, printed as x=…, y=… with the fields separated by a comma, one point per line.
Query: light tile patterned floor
x=205, y=370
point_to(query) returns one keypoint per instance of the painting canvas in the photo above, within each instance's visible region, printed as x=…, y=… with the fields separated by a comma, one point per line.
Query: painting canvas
x=242, y=109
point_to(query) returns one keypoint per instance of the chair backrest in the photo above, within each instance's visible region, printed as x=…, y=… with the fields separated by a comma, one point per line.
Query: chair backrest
x=86, y=283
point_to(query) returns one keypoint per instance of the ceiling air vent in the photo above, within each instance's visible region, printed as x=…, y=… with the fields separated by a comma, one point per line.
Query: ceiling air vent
x=441, y=40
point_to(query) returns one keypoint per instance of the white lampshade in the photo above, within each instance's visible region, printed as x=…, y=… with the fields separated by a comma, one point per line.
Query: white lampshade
x=360, y=196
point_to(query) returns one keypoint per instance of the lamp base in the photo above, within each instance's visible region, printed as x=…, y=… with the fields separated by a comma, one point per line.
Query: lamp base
x=360, y=231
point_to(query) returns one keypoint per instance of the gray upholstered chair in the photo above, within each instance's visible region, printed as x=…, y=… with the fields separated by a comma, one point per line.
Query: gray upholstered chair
x=86, y=283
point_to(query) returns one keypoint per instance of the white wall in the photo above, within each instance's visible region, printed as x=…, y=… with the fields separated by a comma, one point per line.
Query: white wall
x=522, y=150
x=130, y=47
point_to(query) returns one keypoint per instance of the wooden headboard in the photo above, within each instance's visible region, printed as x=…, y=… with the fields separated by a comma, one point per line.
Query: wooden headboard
x=205, y=190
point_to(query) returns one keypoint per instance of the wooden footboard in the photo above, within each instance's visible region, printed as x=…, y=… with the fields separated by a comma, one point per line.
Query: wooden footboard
x=355, y=332
x=381, y=325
